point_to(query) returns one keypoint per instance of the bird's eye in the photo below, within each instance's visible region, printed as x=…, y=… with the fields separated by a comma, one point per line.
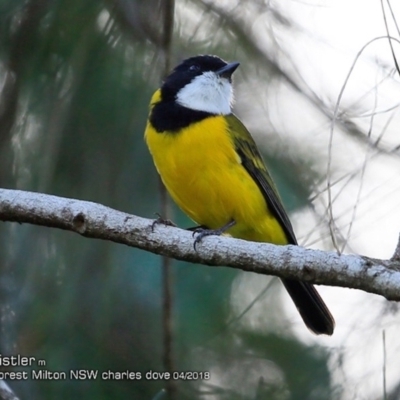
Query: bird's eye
x=194, y=68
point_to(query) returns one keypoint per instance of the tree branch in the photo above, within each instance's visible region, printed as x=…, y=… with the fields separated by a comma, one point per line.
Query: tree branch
x=293, y=262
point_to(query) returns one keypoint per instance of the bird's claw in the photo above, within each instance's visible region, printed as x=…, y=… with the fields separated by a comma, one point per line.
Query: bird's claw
x=161, y=220
x=201, y=234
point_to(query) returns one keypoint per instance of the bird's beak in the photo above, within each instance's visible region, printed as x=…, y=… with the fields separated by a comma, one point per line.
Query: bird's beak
x=228, y=70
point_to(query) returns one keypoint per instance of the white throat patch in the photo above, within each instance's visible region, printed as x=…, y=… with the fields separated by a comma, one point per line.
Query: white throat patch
x=207, y=92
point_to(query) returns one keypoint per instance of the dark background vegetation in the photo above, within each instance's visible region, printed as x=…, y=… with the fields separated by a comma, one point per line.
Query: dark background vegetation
x=76, y=78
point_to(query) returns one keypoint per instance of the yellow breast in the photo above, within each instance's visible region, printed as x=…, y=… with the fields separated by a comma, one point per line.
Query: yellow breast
x=205, y=177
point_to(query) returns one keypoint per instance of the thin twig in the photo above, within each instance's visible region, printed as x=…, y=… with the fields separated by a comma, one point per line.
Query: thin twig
x=368, y=155
x=394, y=18
x=384, y=365
x=332, y=227
x=166, y=212
x=6, y=393
x=396, y=255
x=390, y=39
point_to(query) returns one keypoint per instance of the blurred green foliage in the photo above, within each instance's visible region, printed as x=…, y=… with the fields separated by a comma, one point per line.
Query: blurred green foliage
x=77, y=77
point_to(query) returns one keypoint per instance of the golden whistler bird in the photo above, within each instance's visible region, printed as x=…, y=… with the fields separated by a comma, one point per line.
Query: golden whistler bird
x=213, y=170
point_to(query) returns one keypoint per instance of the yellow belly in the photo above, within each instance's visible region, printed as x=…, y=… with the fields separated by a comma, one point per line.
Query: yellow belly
x=205, y=177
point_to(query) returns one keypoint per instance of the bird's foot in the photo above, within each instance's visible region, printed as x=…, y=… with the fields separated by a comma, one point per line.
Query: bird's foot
x=202, y=232
x=161, y=220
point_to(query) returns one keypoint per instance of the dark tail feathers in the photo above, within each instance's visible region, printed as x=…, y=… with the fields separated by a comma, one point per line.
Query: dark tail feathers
x=311, y=307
